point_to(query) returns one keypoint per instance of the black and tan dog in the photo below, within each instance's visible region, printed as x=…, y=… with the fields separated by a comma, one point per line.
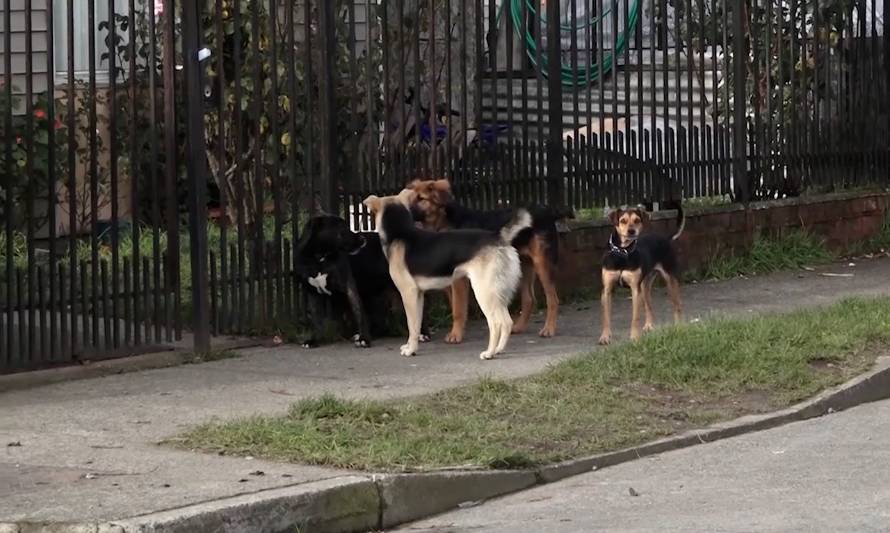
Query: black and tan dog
x=422, y=260
x=633, y=257
x=349, y=270
x=538, y=245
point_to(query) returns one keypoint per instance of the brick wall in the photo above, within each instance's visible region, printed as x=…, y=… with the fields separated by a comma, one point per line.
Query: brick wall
x=842, y=219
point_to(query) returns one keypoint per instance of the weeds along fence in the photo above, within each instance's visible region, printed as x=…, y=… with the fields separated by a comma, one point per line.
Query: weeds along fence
x=160, y=157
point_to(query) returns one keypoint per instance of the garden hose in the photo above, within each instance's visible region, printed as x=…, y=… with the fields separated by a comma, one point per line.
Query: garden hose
x=572, y=76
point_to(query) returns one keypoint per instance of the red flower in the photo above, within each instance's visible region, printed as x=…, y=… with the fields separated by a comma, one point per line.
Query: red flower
x=58, y=124
x=39, y=114
x=18, y=139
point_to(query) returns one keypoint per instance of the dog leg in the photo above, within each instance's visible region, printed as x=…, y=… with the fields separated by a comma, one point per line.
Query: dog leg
x=610, y=278
x=647, y=303
x=545, y=274
x=506, y=324
x=526, y=285
x=674, y=293
x=315, y=306
x=459, y=298
x=637, y=302
x=363, y=338
x=489, y=309
x=673, y=288
x=412, y=299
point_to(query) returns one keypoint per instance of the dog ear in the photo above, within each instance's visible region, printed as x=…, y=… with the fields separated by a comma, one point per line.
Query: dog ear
x=372, y=203
x=612, y=215
x=413, y=184
x=442, y=185
x=407, y=196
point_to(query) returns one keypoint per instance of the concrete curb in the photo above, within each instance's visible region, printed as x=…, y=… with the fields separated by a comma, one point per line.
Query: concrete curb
x=363, y=503
x=148, y=361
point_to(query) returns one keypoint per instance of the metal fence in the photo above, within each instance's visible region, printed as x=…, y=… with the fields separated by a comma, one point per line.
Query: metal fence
x=159, y=157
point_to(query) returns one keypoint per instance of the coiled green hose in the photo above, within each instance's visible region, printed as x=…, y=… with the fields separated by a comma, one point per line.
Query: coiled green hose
x=573, y=76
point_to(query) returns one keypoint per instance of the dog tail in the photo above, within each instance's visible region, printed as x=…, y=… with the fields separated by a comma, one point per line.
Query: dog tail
x=681, y=221
x=521, y=220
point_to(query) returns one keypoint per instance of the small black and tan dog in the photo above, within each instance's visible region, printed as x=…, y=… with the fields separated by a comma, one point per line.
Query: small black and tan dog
x=633, y=257
x=350, y=270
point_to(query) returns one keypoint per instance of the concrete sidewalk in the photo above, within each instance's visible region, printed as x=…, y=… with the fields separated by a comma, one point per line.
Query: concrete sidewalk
x=826, y=474
x=86, y=450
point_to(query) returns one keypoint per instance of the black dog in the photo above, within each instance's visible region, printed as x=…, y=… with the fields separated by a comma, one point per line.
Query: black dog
x=349, y=270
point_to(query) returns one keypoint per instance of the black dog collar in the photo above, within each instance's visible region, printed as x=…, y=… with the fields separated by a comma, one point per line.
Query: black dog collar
x=619, y=250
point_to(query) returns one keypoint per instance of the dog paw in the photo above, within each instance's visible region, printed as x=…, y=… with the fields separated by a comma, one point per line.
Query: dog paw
x=454, y=338
x=605, y=339
x=424, y=338
x=547, y=331
x=309, y=343
x=360, y=342
x=408, y=350
x=648, y=327
x=635, y=335
x=517, y=329
x=486, y=355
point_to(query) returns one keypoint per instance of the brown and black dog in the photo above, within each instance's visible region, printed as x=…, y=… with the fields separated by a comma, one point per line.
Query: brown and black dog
x=633, y=257
x=436, y=209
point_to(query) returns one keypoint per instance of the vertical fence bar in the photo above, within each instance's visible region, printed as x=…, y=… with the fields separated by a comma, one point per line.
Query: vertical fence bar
x=273, y=112
x=238, y=289
x=113, y=169
x=31, y=189
x=154, y=301
x=171, y=265
x=197, y=172
x=94, y=175
x=135, y=161
x=433, y=100
x=9, y=179
x=554, y=90
x=740, y=143
x=328, y=142
x=448, y=165
x=53, y=296
x=222, y=179
x=72, y=176
x=255, y=291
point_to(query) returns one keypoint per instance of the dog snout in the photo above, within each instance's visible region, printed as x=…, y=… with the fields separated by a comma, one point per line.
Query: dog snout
x=631, y=231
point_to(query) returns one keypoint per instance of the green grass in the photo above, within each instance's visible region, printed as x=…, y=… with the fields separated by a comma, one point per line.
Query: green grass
x=673, y=379
x=790, y=251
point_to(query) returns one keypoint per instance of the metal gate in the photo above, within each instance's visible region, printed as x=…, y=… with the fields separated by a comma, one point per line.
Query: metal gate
x=159, y=157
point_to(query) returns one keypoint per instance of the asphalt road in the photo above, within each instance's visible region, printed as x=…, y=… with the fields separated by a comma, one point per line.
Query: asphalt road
x=828, y=474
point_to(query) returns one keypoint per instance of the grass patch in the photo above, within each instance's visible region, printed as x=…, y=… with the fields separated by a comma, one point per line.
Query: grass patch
x=790, y=251
x=674, y=379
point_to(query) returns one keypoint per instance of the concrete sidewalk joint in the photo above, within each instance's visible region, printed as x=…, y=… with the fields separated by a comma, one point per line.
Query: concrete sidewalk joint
x=376, y=502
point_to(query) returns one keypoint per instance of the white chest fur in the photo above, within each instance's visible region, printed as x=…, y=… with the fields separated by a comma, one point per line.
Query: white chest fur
x=320, y=282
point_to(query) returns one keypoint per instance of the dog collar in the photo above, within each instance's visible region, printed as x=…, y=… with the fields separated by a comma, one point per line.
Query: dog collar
x=616, y=249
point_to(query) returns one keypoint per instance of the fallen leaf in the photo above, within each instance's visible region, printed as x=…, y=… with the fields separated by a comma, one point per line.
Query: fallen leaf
x=632, y=492
x=834, y=275
x=257, y=473
x=15, y=444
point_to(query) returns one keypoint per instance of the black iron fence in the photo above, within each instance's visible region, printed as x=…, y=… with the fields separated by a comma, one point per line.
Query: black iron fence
x=159, y=157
